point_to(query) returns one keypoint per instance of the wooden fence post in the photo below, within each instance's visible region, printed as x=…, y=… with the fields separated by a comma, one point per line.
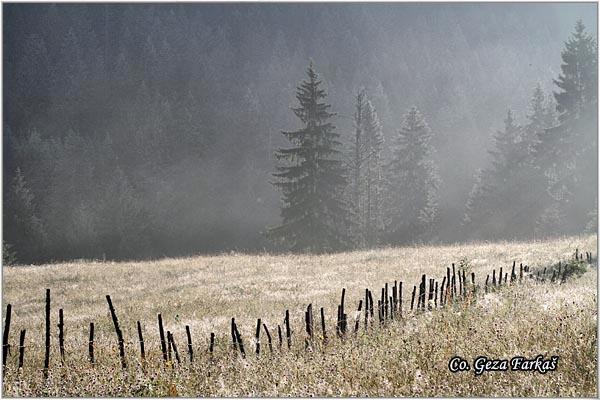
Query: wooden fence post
x=163, y=343
x=268, y=337
x=5, y=335
x=412, y=301
x=169, y=348
x=453, y=282
x=288, y=332
x=21, y=348
x=487, y=279
x=357, y=323
x=500, y=278
x=323, y=325
x=189, y=343
x=366, y=308
x=513, y=274
x=211, y=346
x=400, y=298
x=239, y=340
x=257, y=336
x=118, y=331
x=443, y=292
x=395, y=296
x=91, y=344
x=386, y=297
x=61, y=338
x=172, y=339
x=435, y=297
x=494, y=277
x=47, y=354
x=280, y=336
x=141, y=340
x=233, y=336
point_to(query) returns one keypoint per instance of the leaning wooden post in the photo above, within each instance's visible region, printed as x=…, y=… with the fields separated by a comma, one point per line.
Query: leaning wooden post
x=61, y=337
x=189, y=343
x=5, y=335
x=268, y=337
x=357, y=323
x=141, y=340
x=47, y=354
x=366, y=308
x=280, y=336
x=233, y=336
x=400, y=298
x=453, y=282
x=239, y=340
x=257, y=336
x=288, y=332
x=323, y=325
x=163, y=343
x=386, y=306
x=442, y=292
x=342, y=313
x=487, y=279
x=521, y=273
x=91, y=344
x=412, y=301
x=175, y=349
x=118, y=331
x=513, y=274
x=21, y=348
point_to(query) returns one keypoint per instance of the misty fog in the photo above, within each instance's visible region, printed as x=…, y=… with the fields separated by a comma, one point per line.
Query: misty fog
x=135, y=131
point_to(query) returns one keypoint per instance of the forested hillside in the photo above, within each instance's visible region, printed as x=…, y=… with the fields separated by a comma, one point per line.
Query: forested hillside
x=134, y=131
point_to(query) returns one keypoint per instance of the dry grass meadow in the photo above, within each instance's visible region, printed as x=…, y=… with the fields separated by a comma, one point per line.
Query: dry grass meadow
x=407, y=358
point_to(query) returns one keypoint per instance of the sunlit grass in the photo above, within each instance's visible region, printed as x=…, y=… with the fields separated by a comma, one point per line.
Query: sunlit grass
x=407, y=358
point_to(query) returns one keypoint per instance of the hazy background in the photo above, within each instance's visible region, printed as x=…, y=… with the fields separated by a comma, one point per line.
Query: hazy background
x=149, y=130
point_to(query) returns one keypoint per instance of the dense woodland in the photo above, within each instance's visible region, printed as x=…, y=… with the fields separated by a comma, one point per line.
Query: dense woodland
x=137, y=131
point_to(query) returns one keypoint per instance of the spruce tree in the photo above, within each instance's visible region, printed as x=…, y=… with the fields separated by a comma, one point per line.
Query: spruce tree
x=312, y=178
x=488, y=214
x=567, y=152
x=413, y=181
x=367, y=177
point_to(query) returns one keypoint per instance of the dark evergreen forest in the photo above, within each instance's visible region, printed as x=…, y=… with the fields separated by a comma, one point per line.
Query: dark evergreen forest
x=141, y=131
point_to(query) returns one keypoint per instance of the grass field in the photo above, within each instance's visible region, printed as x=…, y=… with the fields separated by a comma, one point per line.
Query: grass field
x=407, y=358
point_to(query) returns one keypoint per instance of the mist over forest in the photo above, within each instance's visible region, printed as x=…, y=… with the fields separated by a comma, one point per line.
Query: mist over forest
x=140, y=131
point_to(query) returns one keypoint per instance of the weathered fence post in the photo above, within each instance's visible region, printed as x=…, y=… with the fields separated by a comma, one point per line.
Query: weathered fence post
x=395, y=296
x=91, y=344
x=280, y=336
x=494, y=278
x=141, y=340
x=400, y=298
x=487, y=279
x=288, y=332
x=211, y=346
x=169, y=348
x=21, y=348
x=464, y=284
x=453, y=282
x=61, y=337
x=357, y=323
x=500, y=278
x=163, y=343
x=366, y=308
x=239, y=340
x=118, y=331
x=257, y=337
x=412, y=301
x=323, y=325
x=189, y=343
x=521, y=272
x=430, y=294
x=233, y=335
x=435, y=297
x=47, y=353
x=386, y=297
x=268, y=338
x=5, y=335
x=442, y=292
x=172, y=340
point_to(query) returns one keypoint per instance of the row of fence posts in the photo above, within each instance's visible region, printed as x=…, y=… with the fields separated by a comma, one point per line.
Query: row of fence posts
x=431, y=294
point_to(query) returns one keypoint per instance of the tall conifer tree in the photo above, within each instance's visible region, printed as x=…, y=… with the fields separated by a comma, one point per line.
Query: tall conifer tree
x=312, y=179
x=413, y=182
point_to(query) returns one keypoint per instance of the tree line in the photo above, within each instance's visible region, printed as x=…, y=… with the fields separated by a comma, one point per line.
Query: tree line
x=142, y=132
x=541, y=171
